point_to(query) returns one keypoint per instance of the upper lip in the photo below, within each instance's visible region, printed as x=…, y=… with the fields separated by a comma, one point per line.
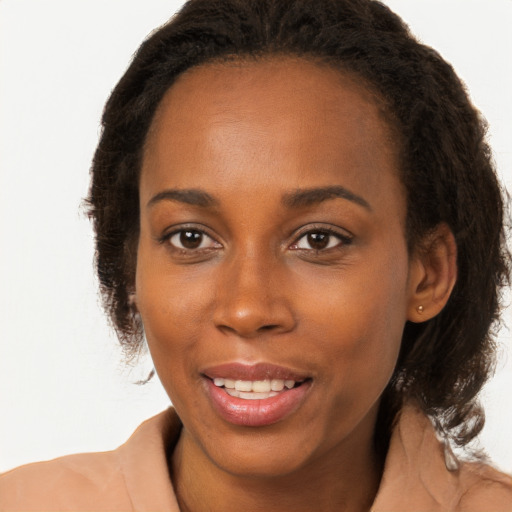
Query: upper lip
x=258, y=371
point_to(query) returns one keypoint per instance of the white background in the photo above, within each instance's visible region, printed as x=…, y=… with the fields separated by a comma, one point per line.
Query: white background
x=64, y=387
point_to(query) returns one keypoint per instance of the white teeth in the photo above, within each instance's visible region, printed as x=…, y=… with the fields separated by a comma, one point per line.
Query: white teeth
x=276, y=385
x=256, y=387
x=250, y=395
x=229, y=383
x=243, y=385
x=253, y=396
x=261, y=386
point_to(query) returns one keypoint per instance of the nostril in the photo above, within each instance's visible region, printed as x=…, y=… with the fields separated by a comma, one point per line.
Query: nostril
x=268, y=327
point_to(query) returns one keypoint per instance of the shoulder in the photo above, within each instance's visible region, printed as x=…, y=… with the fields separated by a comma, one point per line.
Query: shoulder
x=92, y=481
x=421, y=473
x=485, y=488
x=135, y=476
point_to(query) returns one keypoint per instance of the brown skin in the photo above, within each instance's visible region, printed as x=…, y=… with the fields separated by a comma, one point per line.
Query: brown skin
x=255, y=290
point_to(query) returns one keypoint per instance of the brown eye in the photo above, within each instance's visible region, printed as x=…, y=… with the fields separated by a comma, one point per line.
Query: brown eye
x=318, y=241
x=191, y=239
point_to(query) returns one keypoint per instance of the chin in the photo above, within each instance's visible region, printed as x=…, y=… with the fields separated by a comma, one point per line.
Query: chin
x=257, y=456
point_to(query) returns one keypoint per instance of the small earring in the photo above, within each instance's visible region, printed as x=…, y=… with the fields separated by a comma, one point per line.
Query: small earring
x=420, y=309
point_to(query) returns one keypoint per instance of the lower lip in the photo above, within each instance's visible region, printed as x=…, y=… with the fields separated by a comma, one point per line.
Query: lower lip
x=257, y=413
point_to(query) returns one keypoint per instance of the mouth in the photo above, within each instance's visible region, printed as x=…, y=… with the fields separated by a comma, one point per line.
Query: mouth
x=255, y=395
x=255, y=389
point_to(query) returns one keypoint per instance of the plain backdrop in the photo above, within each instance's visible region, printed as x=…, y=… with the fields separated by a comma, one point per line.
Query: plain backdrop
x=64, y=387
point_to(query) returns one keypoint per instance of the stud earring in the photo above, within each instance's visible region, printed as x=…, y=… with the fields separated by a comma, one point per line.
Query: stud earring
x=420, y=309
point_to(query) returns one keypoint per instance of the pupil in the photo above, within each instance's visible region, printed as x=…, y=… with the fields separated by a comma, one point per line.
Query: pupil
x=191, y=239
x=318, y=240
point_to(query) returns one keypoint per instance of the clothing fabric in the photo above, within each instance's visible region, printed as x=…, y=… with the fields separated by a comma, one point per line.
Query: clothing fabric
x=135, y=476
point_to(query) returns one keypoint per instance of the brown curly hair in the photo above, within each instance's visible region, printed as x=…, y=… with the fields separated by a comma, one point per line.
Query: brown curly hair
x=446, y=167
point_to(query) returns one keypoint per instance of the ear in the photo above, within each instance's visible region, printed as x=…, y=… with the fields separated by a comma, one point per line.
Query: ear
x=132, y=302
x=432, y=274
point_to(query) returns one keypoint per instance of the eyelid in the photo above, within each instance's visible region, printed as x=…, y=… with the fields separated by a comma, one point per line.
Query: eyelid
x=344, y=236
x=174, y=230
x=206, y=242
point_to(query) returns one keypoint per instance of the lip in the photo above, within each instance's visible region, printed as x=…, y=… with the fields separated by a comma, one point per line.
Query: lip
x=255, y=413
x=259, y=371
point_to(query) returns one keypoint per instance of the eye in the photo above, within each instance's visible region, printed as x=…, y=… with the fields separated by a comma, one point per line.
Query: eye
x=191, y=239
x=320, y=240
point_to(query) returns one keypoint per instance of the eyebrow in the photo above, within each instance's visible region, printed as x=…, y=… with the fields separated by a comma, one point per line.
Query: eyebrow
x=191, y=196
x=311, y=196
x=296, y=199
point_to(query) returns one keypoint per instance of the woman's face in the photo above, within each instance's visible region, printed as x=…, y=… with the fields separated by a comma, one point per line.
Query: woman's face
x=272, y=254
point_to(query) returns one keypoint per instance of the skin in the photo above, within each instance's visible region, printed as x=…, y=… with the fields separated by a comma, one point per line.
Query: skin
x=250, y=135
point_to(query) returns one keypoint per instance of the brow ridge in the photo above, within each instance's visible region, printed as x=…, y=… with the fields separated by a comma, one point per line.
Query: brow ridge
x=296, y=199
x=310, y=196
x=194, y=197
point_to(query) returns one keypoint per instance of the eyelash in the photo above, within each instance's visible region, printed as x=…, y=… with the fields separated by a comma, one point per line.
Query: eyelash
x=343, y=240
x=169, y=236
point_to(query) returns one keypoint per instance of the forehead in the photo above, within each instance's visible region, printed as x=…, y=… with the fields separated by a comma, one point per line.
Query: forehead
x=286, y=116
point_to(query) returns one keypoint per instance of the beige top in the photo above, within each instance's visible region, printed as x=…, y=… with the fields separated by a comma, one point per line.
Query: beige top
x=135, y=476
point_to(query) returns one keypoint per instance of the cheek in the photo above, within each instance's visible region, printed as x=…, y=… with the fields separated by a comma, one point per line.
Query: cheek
x=171, y=313
x=172, y=304
x=358, y=318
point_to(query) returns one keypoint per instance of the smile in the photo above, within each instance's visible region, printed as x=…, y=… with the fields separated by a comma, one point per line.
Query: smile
x=255, y=395
x=254, y=390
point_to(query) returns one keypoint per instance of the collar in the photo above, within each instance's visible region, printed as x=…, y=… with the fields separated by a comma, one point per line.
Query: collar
x=417, y=475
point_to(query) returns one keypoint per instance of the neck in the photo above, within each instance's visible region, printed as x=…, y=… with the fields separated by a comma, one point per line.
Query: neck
x=346, y=479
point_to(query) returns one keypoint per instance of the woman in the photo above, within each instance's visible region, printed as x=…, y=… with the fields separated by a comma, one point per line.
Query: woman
x=295, y=205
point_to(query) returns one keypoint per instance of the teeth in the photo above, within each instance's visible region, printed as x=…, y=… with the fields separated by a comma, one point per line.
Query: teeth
x=250, y=395
x=243, y=385
x=253, y=396
x=256, y=386
x=229, y=383
x=276, y=385
x=289, y=384
x=261, y=386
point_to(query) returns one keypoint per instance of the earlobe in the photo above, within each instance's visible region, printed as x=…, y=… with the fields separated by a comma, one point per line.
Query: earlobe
x=433, y=273
x=132, y=302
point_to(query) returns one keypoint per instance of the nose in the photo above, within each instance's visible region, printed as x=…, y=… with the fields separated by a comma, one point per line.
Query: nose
x=252, y=298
